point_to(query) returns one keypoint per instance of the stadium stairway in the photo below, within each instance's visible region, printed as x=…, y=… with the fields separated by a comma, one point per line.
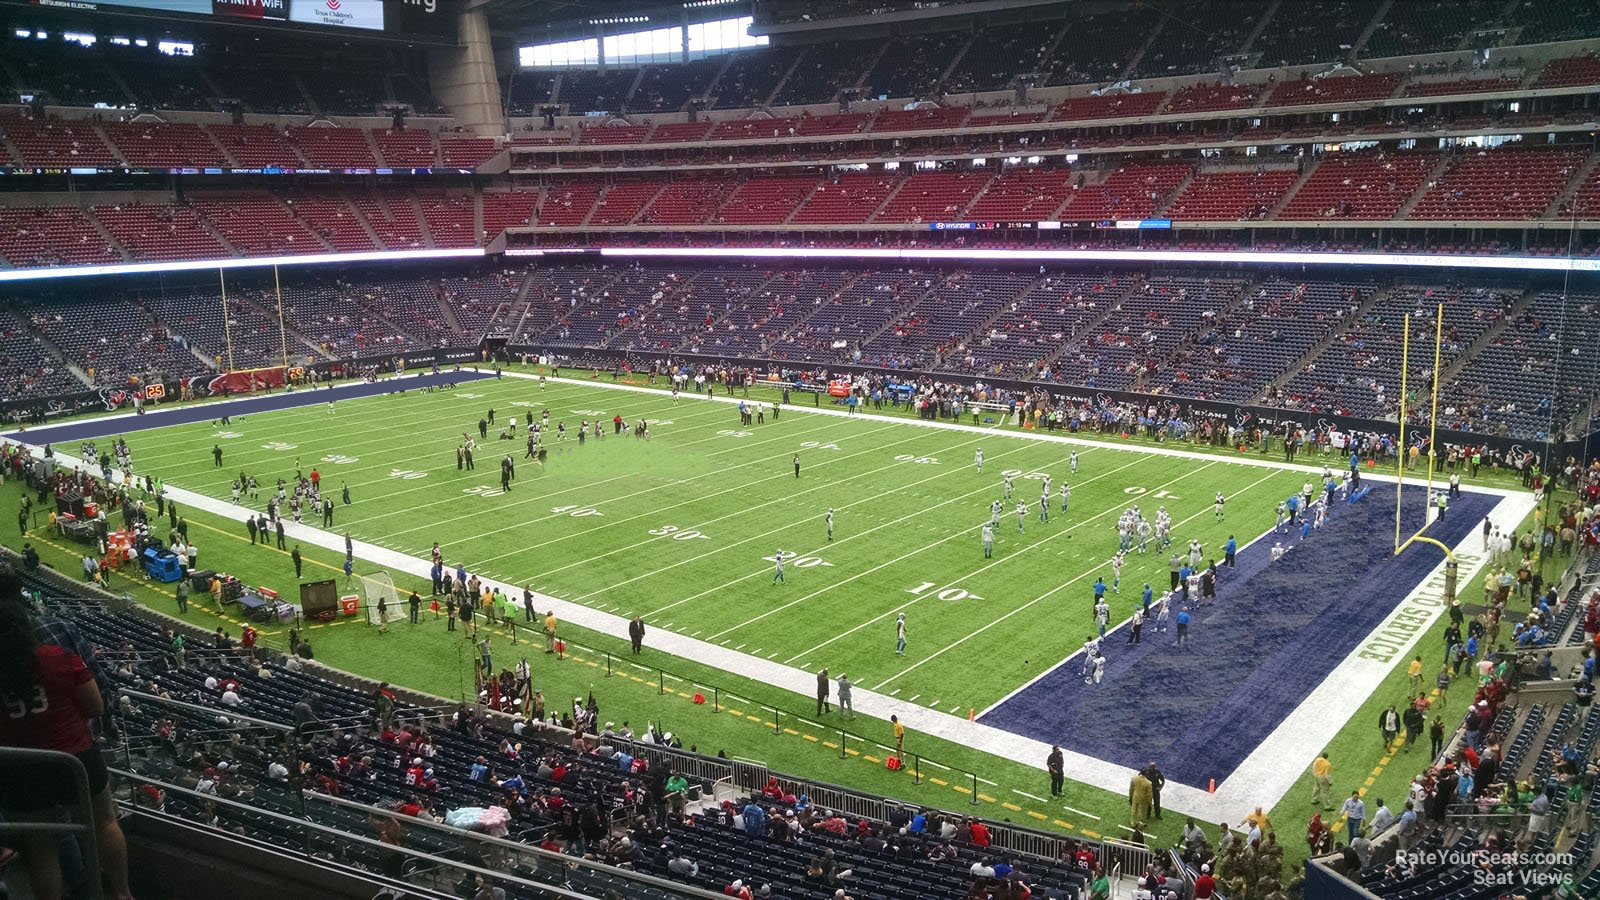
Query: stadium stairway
x=1071, y=341
x=1310, y=357
x=1470, y=352
x=55, y=352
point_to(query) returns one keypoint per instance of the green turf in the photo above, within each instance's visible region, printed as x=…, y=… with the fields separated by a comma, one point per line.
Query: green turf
x=680, y=528
x=900, y=524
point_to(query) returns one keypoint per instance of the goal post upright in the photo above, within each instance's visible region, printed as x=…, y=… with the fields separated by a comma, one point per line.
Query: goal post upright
x=1433, y=433
x=1433, y=415
x=1400, y=441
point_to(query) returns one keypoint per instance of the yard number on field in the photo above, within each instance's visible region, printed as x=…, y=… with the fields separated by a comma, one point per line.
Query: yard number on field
x=924, y=460
x=483, y=490
x=1165, y=495
x=226, y=434
x=577, y=511
x=278, y=445
x=1026, y=476
x=731, y=433
x=952, y=594
x=340, y=458
x=679, y=534
x=408, y=474
x=817, y=445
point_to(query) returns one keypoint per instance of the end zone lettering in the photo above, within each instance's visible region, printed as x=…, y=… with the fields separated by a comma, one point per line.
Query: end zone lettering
x=1413, y=616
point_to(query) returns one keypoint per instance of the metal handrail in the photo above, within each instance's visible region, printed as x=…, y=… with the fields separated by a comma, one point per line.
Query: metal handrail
x=13, y=757
x=431, y=859
x=500, y=846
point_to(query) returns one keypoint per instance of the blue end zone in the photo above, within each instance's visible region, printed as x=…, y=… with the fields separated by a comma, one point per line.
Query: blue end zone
x=1274, y=633
x=206, y=412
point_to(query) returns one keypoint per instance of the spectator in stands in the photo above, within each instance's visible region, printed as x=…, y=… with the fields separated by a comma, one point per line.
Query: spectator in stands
x=31, y=669
x=682, y=866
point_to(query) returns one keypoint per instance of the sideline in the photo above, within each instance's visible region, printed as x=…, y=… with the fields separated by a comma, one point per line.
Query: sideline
x=1378, y=474
x=1263, y=779
x=79, y=429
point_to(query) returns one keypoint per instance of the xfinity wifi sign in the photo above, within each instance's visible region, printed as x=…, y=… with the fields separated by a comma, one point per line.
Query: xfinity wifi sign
x=251, y=9
x=338, y=13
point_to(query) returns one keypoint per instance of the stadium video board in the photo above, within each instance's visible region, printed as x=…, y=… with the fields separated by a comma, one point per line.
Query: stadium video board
x=420, y=17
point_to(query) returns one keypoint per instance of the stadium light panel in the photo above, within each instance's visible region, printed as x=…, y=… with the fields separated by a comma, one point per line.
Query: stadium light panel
x=196, y=265
x=1241, y=257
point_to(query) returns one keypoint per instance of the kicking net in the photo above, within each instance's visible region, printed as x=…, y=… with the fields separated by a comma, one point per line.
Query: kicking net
x=380, y=586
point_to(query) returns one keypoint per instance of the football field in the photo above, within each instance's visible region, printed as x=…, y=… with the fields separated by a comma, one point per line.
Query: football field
x=683, y=528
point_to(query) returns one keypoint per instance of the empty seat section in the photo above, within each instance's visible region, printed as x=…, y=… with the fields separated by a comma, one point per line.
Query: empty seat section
x=766, y=200
x=405, y=147
x=1231, y=196
x=164, y=144
x=1360, y=186
x=845, y=200
x=933, y=197
x=256, y=223
x=450, y=219
x=51, y=236
x=1133, y=191
x=1505, y=183
x=391, y=217
x=256, y=145
x=333, y=218
x=687, y=201
x=334, y=148
x=620, y=203
x=1023, y=195
x=162, y=231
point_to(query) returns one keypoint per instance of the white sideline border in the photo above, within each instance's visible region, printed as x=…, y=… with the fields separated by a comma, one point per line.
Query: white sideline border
x=1262, y=780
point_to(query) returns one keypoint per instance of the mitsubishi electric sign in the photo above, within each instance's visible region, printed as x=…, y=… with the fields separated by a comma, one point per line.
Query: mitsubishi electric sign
x=338, y=13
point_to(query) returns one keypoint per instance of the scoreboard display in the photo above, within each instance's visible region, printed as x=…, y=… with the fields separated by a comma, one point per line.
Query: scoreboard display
x=423, y=18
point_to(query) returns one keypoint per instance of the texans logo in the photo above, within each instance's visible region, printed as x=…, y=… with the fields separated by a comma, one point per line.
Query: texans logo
x=1516, y=451
x=112, y=398
x=1242, y=417
x=57, y=406
x=1102, y=400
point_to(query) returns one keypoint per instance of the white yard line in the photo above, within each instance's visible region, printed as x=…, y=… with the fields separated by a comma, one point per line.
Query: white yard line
x=681, y=481
x=1047, y=594
x=1113, y=630
x=986, y=567
x=1031, y=435
x=657, y=513
x=1262, y=780
x=844, y=540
